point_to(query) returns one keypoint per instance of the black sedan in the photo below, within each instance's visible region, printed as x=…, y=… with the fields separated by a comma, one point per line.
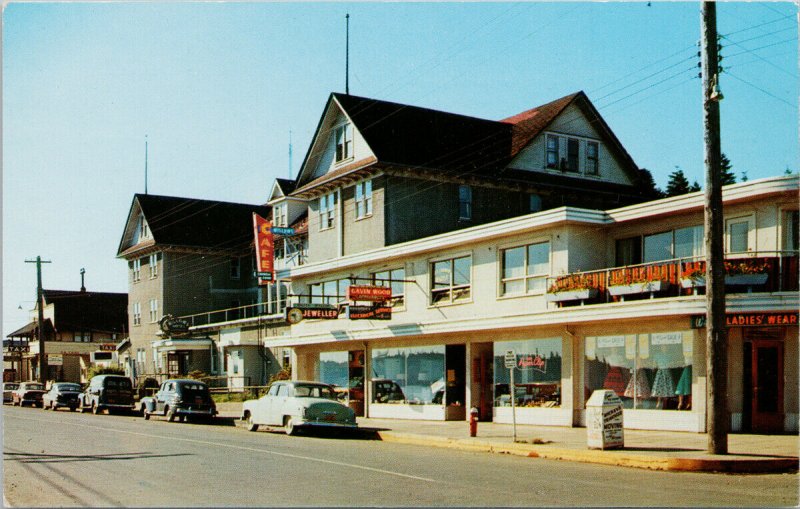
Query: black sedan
x=62, y=394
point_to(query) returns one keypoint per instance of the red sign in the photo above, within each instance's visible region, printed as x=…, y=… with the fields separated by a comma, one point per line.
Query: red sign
x=536, y=362
x=745, y=319
x=108, y=347
x=369, y=293
x=369, y=312
x=265, y=249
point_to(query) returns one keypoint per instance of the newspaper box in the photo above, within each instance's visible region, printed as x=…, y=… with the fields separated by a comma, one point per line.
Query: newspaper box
x=604, y=421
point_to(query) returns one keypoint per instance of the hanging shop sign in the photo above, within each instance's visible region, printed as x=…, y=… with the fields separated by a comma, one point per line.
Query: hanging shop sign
x=369, y=293
x=278, y=230
x=265, y=249
x=111, y=347
x=369, y=312
x=750, y=319
x=55, y=359
x=172, y=326
x=300, y=312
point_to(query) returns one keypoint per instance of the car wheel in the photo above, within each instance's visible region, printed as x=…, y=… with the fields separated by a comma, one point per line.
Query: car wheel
x=170, y=414
x=72, y=408
x=288, y=425
x=251, y=426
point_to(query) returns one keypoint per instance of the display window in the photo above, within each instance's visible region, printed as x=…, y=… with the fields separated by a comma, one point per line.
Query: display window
x=537, y=374
x=647, y=371
x=410, y=375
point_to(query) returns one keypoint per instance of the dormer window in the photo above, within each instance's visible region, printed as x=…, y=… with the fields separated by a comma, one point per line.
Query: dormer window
x=144, y=231
x=344, y=142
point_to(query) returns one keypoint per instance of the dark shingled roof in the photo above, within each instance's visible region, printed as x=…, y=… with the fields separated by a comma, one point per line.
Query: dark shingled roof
x=286, y=185
x=191, y=222
x=88, y=311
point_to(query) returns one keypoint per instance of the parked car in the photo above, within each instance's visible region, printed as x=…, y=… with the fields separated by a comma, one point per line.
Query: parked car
x=62, y=394
x=180, y=398
x=8, y=388
x=28, y=393
x=298, y=404
x=387, y=391
x=107, y=392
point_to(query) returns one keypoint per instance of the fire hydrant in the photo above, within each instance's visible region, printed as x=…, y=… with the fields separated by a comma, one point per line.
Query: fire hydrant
x=473, y=422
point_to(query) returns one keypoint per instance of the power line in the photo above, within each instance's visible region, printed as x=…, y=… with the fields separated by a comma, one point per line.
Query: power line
x=794, y=106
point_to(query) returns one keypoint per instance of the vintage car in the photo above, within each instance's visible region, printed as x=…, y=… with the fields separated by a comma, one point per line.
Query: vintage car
x=180, y=398
x=298, y=404
x=8, y=388
x=62, y=394
x=28, y=393
x=107, y=392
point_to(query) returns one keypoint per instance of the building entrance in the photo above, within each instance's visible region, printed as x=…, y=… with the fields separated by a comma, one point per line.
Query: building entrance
x=763, y=385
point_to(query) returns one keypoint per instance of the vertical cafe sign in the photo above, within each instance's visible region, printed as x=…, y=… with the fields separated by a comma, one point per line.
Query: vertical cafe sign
x=265, y=250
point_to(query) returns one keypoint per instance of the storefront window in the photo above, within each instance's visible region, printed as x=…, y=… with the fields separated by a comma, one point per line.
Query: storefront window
x=647, y=371
x=333, y=368
x=412, y=375
x=537, y=375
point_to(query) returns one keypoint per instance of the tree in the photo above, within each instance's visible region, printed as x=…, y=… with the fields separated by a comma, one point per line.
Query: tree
x=647, y=185
x=678, y=184
x=694, y=187
x=726, y=173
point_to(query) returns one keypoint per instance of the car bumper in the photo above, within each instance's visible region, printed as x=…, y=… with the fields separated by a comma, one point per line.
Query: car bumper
x=210, y=412
x=116, y=406
x=326, y=424
x=70, y=404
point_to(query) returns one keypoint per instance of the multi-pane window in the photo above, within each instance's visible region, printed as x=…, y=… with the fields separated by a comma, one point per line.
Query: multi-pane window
x=153, y=310
x=144, y=230
x=552, y=151
x=451, y=280
x=680, y=243
x=137, y=269
x=153, y=266
x=236, y=267
x=738, y=235
x=140, y=360
x=363, y=199
x=327, y=213
x=279, y=215
x=792, y=231
x=344, y=142
x=137, y=313
x=592, y=158
x=393, y=278
x=572, y=155
x=83, y=337
x=329, y=292
x=525, y=268
x=464, y=202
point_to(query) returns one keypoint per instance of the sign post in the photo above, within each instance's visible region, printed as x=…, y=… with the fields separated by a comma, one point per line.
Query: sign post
x=511, y=363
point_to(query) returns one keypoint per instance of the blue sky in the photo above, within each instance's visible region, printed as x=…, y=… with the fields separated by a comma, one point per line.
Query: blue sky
x=217, y=87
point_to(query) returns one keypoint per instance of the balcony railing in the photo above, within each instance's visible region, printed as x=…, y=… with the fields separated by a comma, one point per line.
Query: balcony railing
x=761, y=272
x=235, y=313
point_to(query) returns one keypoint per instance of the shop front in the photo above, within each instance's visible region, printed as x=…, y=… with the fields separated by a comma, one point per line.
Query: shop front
x=179, y=357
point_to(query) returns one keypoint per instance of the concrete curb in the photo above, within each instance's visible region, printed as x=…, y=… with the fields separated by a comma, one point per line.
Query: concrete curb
x=613, y=458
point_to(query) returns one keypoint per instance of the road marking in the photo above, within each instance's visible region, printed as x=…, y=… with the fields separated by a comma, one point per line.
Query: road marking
x=230, y=446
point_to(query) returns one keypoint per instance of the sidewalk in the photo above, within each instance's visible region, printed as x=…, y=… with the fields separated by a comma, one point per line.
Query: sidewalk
x=655, y=450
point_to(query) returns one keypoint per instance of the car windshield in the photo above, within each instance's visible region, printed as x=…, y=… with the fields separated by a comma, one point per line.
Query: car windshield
x=122, y=383
x=68, y=387
x=10, y=387
x=314, y=391
x=34, y=387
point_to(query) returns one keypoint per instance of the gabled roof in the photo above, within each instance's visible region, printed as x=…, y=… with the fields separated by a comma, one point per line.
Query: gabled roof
x=28, y=331
x=194, y=223
x=88, y=311
x=413, y=137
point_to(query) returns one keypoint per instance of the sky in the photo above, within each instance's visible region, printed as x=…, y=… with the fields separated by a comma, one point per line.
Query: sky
x=216, y=89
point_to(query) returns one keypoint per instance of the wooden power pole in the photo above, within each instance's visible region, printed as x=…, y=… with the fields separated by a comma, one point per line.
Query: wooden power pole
x=40, y=328
x=716, y=333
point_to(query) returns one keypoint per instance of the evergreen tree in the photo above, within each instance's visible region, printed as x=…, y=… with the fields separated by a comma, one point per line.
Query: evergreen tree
x=726, y=173
x=695, y=187
x=647, y=185
x=744, y=176
x=677, y=184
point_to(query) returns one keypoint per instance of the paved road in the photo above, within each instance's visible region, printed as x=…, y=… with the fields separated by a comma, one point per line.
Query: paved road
x=69, y=459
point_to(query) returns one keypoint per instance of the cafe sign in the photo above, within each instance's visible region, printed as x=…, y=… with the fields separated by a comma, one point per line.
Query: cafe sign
x=750, y=320
x=369, y=293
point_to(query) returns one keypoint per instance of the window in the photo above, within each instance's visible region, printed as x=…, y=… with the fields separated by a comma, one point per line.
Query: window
x=329, y=292
x=279, y=215
x=739, y=235
x=137, y=269
x=629, y=251
x=537, y=374
x=592, y=158
x=450, y=280
x=363, y=199
x=658, y=247
x=792, y=228
x=681, y=243
x=414, y=375
x=573, y=149
x=535, y=203
x=144, y=231
x=344, y=142
x=326, y=211
x=464, y=202
x=236, y=267
x=393, y=278
x=552, y=151
x=140, y=360
x=153, y=310
x=83, y=337
x=137, y=313
x=153, y=266
x=647, y=371
x=525, y=268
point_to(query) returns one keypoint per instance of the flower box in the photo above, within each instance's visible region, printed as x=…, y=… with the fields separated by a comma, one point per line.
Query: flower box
x=585, y=293
x=633, y=288
x=734, y=279
x=691, y=282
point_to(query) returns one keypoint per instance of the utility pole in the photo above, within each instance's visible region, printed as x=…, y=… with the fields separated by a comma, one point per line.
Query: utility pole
x=716, y=332
x=347, y=56
x=40, y=332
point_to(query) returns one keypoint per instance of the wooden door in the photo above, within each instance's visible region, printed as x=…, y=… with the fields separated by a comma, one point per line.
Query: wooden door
x=766, y=396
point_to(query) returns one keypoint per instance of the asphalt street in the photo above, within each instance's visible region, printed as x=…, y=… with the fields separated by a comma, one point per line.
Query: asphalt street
x=71, y=459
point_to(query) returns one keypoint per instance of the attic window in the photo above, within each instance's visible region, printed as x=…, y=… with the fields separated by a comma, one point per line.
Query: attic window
x=144, y=231
x=552, y=151
x=344, y=142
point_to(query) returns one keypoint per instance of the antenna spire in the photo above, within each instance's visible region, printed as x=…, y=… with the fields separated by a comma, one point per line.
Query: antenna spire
x=347, y=57
x=290, y=154
x=145, y=164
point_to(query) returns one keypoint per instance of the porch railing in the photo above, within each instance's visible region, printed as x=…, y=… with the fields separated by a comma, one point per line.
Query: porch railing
x=236, y=313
